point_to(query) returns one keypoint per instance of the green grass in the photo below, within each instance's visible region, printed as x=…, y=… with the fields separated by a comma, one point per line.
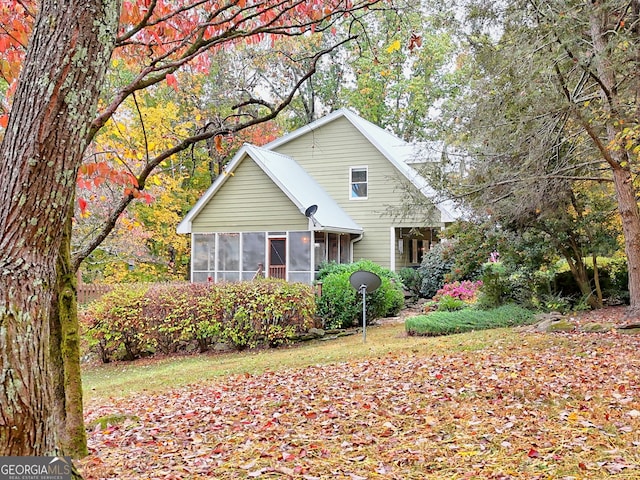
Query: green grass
x=446, y=323
x=128, y=378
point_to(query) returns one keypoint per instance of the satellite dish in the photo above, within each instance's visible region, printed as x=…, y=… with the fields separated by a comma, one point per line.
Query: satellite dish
x=310, y=211
x=309, y=214
x=364, y=282
x=361, y=278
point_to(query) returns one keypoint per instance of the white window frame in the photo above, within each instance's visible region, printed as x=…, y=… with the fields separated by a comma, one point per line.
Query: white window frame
x=351, y=182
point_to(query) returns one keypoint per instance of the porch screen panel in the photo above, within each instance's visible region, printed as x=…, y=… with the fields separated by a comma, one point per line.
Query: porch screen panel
x=345, y=254
x=300, y=251
x=300, y=277
x=300, y=256
x=320, y=249
x=253, y=248
x=334, y=242
x=202, y=277
x=204, y=255
x=229, y=257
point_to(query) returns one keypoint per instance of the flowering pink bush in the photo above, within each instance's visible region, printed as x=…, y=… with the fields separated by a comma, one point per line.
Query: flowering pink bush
x=465, y=291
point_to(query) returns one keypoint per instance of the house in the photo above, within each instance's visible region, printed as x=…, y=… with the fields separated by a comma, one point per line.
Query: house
x=337, y=189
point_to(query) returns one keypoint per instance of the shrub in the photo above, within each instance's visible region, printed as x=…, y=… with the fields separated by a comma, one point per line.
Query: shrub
x=436, y=265
x=114, y=324
x=131, y=321
x=340, y=305
x=270, y=310
x=613, y=277
x=174, y=316
x=447, y=303
x=411, y=280
x=495, y=285
x=466, y=291
x=445, y=323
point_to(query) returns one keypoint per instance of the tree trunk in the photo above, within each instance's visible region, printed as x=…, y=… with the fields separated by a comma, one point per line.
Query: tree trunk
x=65, y=354
x=581, y=276
x=619, y=160
x=596, y=279
x=40, y=154
x=630, y=216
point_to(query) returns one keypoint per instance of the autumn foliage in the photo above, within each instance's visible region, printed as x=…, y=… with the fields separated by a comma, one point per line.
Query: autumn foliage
x=133, y=321
x=160, y=46
x=503, y=405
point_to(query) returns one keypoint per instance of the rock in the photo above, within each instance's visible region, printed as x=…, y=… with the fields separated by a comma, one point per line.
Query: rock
x=595, y=327
x=316, y=332
x=562, y=325
x=222, y=347
x=552, y=323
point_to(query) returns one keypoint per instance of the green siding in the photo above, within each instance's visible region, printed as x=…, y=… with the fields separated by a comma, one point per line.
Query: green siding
x=327, y=155
x=249, y=201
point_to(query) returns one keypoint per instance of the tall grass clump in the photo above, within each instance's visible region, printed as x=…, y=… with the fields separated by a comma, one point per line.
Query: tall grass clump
x=445, y=323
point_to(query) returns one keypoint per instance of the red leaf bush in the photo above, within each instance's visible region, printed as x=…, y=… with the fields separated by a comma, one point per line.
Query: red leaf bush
x=132, y=321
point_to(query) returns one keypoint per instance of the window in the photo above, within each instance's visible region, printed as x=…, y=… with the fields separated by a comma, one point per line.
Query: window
x=359, y=181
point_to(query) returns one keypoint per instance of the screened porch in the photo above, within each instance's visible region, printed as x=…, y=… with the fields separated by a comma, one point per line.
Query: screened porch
x=291, y=255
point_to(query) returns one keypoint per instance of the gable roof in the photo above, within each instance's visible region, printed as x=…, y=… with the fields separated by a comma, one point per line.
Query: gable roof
x=294, y=182
x=397, y=151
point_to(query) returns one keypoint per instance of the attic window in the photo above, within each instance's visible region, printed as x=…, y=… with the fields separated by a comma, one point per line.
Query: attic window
x=359, y=181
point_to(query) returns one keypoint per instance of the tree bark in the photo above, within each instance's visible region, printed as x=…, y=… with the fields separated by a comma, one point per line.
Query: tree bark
x=630, y=216
x=619, y=160
x=40, y=154
x=65, y=354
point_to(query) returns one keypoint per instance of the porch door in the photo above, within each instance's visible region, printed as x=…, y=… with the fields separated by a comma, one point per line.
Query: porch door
x=278, y=258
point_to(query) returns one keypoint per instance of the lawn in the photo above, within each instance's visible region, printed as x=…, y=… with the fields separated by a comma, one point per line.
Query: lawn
x=496, y=404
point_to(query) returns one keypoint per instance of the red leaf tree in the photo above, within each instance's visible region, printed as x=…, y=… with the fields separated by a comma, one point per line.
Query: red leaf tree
x=56, y=104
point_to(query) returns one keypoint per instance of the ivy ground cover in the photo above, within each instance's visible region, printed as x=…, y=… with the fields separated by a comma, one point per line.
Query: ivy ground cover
x=521, y=406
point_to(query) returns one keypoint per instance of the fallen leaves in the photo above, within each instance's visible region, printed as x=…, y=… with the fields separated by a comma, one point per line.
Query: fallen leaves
x=551, y=406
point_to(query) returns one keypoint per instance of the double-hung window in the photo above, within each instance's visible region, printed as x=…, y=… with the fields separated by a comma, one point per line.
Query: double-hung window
x=359, y=181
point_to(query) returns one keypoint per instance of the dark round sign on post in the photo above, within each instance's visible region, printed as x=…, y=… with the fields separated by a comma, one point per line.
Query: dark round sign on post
x=370, y=280
x=364, y=282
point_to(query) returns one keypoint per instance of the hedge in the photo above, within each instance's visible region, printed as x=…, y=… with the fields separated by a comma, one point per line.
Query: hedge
x=133, y=321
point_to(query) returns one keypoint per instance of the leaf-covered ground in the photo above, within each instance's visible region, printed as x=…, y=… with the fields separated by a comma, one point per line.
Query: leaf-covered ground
x=561, y=406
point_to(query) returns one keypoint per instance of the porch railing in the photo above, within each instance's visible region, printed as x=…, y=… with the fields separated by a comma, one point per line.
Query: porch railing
x=278, y=271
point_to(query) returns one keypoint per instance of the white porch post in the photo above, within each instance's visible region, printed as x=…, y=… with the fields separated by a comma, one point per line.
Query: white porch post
x=312, y=246
x=392, y=249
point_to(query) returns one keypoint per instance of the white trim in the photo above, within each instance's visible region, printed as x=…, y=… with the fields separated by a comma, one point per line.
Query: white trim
x=392, y=258
x=216, y=246
x=312, y=249
x=192, y=259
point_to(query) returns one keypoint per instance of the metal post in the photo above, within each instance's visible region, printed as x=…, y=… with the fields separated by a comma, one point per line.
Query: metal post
x=363, y=289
